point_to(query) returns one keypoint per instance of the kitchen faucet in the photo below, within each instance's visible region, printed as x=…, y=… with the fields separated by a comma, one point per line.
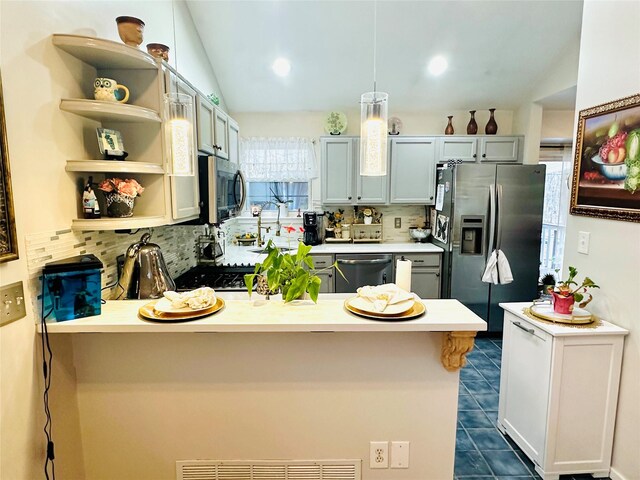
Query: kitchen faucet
x=267, y=229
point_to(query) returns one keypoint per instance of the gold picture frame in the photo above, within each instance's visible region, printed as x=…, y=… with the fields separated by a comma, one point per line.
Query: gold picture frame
x=608, y=187
x=8, y=239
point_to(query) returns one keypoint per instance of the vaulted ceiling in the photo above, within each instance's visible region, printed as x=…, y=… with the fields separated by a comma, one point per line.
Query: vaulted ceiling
x=496, y=50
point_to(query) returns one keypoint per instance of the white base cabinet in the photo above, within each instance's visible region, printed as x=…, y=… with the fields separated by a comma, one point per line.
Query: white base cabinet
x=558, y=392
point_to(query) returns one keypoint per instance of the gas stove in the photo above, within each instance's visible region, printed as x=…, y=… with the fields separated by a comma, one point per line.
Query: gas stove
x=228, y=278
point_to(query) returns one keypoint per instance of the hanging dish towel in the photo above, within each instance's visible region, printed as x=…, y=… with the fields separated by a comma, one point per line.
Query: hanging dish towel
x=497, y=270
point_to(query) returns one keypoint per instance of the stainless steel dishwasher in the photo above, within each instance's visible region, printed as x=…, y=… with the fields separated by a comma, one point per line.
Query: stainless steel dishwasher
x=363, y=269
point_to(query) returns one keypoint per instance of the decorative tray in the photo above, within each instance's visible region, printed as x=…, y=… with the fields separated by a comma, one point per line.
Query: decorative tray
x=545, y=312
x=150, y=313
x=416, y=311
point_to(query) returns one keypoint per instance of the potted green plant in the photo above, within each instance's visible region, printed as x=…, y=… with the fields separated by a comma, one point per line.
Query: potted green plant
x=292, y=274
x=567, y=292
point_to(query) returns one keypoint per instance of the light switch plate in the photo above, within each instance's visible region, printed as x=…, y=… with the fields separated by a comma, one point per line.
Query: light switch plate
x=12, y=304
x=583, y=242
x=399, y=454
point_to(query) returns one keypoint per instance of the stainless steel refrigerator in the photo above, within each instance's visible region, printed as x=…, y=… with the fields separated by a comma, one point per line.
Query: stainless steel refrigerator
x=483, y=207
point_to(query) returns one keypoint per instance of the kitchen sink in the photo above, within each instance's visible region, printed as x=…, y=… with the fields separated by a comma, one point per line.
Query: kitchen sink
x=263, y=250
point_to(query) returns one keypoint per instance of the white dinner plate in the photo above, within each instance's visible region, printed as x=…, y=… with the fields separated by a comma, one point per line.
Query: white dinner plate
x=365, y=305
x=163, y=305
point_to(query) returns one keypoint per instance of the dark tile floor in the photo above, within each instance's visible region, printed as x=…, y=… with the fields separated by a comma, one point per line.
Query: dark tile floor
x=482, y=452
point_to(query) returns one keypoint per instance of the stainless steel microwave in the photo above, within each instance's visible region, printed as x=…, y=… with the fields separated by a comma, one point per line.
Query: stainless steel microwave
x=222, y=189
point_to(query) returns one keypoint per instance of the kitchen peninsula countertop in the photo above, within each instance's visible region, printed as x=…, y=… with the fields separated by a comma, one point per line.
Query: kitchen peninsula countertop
x=240, y=254
x=257, y=315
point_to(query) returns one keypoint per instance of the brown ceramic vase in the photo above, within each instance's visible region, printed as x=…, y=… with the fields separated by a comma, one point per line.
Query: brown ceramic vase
x=492, y=126
x=449, y=129
x=472, y=126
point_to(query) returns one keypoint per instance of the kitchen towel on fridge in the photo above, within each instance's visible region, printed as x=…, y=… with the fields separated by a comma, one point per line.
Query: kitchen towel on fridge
x=497, y=270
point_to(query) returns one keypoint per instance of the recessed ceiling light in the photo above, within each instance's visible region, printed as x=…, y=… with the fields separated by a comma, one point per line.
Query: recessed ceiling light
x=438, y=65
x=281, y=67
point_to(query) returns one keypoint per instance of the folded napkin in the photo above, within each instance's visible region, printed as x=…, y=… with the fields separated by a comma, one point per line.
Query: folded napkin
x=383, y=295
x=497, y=270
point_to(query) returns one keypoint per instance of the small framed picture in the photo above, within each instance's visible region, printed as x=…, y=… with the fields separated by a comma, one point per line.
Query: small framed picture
x=110, y=140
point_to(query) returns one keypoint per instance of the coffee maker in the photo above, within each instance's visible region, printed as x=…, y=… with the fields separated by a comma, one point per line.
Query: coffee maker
x=312, y=224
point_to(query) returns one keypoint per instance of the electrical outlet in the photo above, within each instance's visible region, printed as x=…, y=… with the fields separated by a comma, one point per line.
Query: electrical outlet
x=583, y=242
x=397, y=222
x=399, y=454
x=378, y=454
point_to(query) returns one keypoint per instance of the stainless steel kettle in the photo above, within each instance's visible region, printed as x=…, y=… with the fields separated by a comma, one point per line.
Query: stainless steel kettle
x=144, y=273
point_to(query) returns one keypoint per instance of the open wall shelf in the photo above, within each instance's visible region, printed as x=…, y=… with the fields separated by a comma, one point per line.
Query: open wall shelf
x=103, y=54
x=104, y=111
x=113, y=166
x=108, y=223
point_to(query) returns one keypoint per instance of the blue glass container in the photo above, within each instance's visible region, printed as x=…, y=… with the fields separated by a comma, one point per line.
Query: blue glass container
x=71, y=288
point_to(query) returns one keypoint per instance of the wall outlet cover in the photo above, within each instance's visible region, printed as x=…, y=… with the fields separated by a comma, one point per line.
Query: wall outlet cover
x=397, y=222
x=399, y=455
x=379, y=455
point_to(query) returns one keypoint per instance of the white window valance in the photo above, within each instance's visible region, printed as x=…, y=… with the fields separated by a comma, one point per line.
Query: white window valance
x=278, y=159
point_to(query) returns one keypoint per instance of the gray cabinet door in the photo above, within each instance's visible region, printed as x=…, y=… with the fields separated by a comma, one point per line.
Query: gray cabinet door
x=337, y=167
x=499, y=149
x=234, y=141
x=204, y=118
x=425, y=282
x=369, y=190
x=413, y=169
x=457, y=148
x=184, y=190
x=327, y=285
x=221, y=127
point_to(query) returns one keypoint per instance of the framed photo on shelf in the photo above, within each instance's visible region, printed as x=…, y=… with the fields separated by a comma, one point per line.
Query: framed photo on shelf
x=111, y=144
x=606, y=170
x=8, y=239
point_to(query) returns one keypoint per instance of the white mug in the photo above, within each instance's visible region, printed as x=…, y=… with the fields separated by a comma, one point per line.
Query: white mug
x=105, y=89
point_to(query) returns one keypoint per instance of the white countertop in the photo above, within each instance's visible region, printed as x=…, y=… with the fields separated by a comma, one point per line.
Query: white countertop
x=255, y=315
x=240, y=254
x=560, y=330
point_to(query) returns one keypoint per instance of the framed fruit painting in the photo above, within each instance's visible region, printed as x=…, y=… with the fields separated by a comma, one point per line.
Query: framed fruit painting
x=8, y=240
x=606, y=170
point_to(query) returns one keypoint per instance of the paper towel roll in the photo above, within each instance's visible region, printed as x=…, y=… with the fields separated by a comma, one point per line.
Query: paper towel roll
x=403, y=274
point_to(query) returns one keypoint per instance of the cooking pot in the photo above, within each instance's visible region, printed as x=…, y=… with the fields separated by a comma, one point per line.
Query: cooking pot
x=144, y=273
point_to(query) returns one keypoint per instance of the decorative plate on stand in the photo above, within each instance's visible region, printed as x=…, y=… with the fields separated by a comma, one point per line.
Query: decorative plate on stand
x=335, y=123
x=545, y=312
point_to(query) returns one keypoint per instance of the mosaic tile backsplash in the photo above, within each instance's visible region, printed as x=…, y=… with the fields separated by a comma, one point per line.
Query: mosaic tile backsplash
x=176, y=242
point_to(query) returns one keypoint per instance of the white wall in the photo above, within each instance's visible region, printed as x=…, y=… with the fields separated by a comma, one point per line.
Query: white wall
x=557, y=124
x=41, y=138
x=614, y=257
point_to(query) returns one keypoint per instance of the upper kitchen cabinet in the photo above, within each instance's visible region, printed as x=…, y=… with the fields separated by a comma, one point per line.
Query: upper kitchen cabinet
x=479, y=148
x=454, y=148
x=499, y=149
x=221, y=128
x=205, y=111
x=234, y=141
x=413, y=169
x=139, y=121
x=184, y=190
x=341, y=181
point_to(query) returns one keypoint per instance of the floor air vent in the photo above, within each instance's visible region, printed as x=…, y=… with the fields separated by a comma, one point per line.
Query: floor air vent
x=268, y=470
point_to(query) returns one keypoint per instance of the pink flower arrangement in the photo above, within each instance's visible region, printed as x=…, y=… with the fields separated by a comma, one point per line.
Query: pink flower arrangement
x=128, y=187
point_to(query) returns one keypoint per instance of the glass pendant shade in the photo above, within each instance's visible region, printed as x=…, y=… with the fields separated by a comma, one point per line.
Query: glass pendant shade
x=373, y=134
x=179, y=134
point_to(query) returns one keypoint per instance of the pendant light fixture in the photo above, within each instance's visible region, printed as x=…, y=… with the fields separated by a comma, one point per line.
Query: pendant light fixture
x=373, y=121
x=178, y=115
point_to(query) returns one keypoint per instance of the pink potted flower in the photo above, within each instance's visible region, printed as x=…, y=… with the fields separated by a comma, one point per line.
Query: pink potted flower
x=120, y=195
x=568, y=292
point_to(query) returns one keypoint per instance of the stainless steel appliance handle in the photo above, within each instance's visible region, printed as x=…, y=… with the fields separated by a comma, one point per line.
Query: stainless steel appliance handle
x=243, y=190
x=363, y=262
x=499, y=234
x=492, y=217
x=528, y=330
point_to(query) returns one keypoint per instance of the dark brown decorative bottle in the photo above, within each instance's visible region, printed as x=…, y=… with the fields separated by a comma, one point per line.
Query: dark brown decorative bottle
x=472, y=126
x=449, y=129
x=492, y=126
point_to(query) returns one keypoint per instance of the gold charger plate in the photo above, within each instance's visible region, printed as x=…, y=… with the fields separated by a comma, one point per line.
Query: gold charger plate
x=545, y=312
x=416, y=311
x=147, y=311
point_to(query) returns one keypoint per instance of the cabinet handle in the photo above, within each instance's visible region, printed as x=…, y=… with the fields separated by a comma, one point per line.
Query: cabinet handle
x=475, y=155
x=484, y=155
x=431, y=198
x=349, y=198
x=359, y=198
x=437, y=274
x=330, y=275
x=528, y=330
x=416, y=261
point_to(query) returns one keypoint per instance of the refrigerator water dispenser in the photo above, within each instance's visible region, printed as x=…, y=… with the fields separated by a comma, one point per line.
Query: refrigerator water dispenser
x=472, y=235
